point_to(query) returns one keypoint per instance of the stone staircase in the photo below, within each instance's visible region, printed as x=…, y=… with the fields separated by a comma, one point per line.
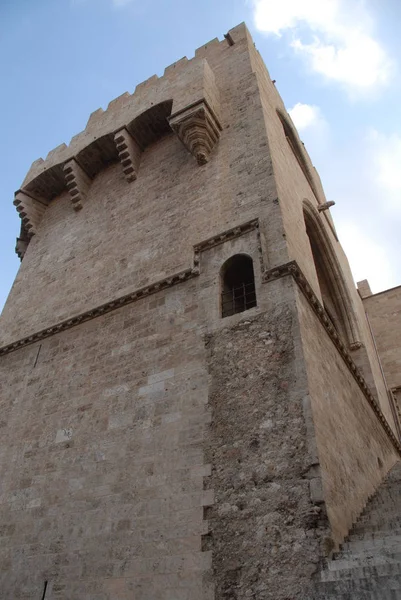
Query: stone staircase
x=368, y=565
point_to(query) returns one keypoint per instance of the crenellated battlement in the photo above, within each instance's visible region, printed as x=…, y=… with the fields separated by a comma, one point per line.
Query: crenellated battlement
x=125, y=108
x=185, y=100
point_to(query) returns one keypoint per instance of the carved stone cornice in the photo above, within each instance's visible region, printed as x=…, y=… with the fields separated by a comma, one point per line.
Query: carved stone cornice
x=102, y=309
x=226, y=235
x=292, y=268
x=31, y=211
x=198, y=128
x=137, y=294
x=77, y=181
x=129, y=153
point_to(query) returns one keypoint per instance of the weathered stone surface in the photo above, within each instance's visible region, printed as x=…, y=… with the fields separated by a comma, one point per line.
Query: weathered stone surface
x=77, y=182
x=151, y=449
x=198, y=129
x=368, y=565
x=265, y=530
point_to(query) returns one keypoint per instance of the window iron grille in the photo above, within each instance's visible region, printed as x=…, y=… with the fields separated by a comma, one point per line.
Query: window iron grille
x=238, y=299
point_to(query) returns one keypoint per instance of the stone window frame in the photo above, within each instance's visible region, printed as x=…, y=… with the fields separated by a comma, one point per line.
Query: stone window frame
x=246, y=294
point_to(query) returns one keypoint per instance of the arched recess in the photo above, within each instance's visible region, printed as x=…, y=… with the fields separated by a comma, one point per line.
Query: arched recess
x=152, y=124
x=297, y=150
x=334, y=291
x=237, y=282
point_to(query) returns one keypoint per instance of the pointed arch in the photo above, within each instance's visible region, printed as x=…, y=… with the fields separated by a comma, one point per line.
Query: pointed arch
x=334, y=291
x=297, y=150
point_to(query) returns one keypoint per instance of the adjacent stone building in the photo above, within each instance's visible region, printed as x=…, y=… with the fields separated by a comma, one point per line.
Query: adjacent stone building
x=193, y=406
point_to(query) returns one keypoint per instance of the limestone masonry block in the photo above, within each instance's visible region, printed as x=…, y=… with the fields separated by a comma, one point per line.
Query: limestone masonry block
x=364, y=288
x=20, y=247
x=129, y=153
x=31, y=211
x=78, y=182
x=150, y=447
x=198, y=129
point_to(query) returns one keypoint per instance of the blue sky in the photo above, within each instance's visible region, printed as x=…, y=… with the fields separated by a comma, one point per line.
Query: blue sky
x=337, y=66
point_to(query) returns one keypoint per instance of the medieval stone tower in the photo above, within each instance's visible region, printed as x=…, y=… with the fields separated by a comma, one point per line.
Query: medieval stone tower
x=192, y=402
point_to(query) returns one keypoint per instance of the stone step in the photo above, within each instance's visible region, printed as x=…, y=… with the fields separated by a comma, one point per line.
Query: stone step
x=368, y=564
x=392, y=512
x=367, y=559
x=372, y=544
x=371, y=585
x=384, y=570
x=357, y=595
x=371, y=535
x=382, y=525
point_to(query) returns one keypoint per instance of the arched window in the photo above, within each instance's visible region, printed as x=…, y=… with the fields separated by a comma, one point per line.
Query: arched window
x=333, y=289
x=237, y=285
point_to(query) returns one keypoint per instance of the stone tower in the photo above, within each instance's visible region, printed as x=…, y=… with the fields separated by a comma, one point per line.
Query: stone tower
x=192, y=403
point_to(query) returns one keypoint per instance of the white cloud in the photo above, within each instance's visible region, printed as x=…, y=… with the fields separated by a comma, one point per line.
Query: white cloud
x=364, y=179
x=305, y=115
x=368, y=258
x=343, y=47
x=385, y=164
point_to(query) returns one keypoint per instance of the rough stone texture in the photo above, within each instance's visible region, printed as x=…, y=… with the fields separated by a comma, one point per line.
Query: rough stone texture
x=102, y=465
x=127, y=401
x=368, y=567
x=265, y=530
x=126, y=235
x=354, y=451
x=292, y=195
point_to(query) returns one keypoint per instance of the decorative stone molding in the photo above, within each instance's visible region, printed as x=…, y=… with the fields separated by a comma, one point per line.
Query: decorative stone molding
x=225, y=236
x=129, y=153
x=130, y=124
x=140, y=293
x=198, y=128
x=292, y=268
x=101, y=310
x=77, y=181
x=31, y=211
x=20, y=247
x=326, y=205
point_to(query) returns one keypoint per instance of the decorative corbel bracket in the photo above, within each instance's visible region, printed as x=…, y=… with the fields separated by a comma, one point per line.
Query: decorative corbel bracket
x=129, y=153
x=198, y=128
x=326, y=205
x=21, y=246
x=78, y=182
x=31, y=211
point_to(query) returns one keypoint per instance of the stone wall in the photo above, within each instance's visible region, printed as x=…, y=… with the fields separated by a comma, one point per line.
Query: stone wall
x=290, y=237
x=384, y=313
x=120, y=426
x=354, y=451
x=102, y=461
x=266, y=533
x=130, y=234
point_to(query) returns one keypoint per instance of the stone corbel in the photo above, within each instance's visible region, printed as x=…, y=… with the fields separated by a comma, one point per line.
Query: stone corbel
x=78, y=182
x=31, y=211
x=129, y=153
x=20, y=247
x=198, y=128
